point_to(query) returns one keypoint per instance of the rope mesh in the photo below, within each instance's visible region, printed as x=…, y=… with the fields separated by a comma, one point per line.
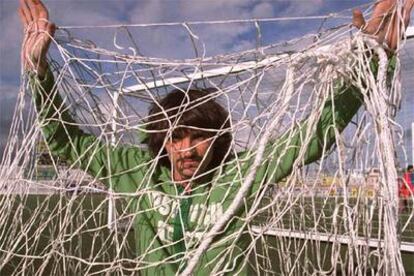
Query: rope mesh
x=326, y=215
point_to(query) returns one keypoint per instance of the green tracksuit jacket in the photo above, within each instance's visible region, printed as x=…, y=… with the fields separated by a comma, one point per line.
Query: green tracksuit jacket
x=159, y=205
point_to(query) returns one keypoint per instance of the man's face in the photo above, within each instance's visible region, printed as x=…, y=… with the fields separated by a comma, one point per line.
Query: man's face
x=189, y=154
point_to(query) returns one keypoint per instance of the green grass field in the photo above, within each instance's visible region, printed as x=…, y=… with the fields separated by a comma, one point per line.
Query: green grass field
x=29, y=224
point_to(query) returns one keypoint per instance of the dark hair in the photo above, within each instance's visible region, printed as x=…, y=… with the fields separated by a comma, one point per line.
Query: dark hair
x=409, y=167
x=193, y=108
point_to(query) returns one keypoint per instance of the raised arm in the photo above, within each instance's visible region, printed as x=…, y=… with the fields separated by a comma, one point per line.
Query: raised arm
x=281, y=155
x=38, y=33
x=63, y=136
x=385, y=26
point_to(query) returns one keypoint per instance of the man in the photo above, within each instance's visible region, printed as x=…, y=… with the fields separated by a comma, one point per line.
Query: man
x=409, y=175
x=407, y=187
x=194, y=178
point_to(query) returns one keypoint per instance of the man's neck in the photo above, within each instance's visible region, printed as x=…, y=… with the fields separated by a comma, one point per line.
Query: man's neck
x=189, y=183
x=185, y=183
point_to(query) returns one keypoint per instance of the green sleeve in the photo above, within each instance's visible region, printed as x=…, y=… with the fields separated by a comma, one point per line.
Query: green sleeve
x=281, y=154
x=85, y=151
x=336, y=115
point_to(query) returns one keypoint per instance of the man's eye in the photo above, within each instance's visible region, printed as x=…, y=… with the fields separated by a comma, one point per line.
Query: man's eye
x=200, y=138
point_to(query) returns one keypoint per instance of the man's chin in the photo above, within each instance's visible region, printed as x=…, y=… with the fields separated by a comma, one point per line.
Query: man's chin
x=188, y=173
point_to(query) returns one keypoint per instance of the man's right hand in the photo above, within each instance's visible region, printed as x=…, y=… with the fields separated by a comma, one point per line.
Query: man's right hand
x=38, y=33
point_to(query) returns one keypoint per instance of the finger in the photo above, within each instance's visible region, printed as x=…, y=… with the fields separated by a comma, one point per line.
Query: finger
x=408, y=7
x=358, y=19
x=380, y=17
x=398, y=27
x=376, y=24
x=393, y=30
x=34, y=13
x=22, y=18
x=409, y=4
x=26, y=12
x=43, y=14
x=50, y=29
x=39, y=13
x=33, y=9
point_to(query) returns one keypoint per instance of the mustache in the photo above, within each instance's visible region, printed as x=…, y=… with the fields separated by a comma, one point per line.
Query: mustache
x=193, y=158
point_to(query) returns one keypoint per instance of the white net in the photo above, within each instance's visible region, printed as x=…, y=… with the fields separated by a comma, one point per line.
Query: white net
x=290, y=195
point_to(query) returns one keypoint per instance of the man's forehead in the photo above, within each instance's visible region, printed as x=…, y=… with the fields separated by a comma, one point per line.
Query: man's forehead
x=183, y=130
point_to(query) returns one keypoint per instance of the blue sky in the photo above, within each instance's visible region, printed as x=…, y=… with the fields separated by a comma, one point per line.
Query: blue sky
x=169, y=44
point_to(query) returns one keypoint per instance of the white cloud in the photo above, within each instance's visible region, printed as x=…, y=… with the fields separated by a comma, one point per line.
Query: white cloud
x=214, y=9
x=147, y=12
x=262, y=10
x=302, y=8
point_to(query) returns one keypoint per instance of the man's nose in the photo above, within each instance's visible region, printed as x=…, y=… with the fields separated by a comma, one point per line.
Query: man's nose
x=187, y=147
